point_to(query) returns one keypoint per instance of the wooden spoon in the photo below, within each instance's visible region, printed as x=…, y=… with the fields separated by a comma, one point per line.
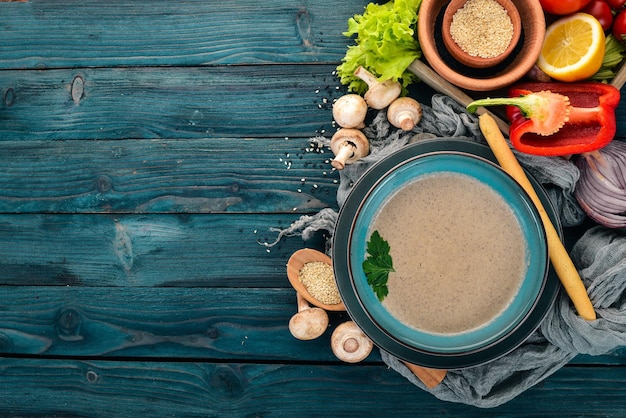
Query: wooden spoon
x=294, y=265
x=429, y=377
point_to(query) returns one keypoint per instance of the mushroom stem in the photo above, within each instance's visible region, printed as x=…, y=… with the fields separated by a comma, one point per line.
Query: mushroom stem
x=349, y=343
x=348, y=145
x=405, y=120
x=380, y=94
x=309, y=323
x=345, y=152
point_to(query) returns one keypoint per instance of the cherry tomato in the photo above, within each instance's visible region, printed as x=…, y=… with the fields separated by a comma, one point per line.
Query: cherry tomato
x=563, y=7
x=619, y=26
x=616, y=4
x=601, y=10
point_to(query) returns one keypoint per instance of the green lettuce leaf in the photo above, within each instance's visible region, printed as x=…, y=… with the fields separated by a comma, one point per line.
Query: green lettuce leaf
x=385, y=44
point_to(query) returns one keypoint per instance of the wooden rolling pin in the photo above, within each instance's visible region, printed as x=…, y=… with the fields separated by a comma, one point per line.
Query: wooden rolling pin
x=559, y=257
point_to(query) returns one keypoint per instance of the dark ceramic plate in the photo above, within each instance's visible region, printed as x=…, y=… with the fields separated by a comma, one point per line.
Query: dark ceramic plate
x=380, y=335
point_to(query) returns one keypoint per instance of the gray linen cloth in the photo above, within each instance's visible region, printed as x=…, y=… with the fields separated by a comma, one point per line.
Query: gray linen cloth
x=600, y=256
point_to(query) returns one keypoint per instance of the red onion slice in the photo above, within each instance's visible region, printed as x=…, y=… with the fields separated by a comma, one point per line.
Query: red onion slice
x=601, y=188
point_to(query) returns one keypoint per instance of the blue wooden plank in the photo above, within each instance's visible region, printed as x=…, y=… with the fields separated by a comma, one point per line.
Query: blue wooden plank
x=145, y=250
x=36, y=387
x=66, y=33
x=177, y=103
x=248, y=175
x=171, y=103
x=247, y=324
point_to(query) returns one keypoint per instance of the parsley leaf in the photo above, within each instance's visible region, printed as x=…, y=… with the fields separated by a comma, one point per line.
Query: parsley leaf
x=378, y=265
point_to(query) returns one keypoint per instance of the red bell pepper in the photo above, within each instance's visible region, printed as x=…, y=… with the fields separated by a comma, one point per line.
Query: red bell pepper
x=583, y=119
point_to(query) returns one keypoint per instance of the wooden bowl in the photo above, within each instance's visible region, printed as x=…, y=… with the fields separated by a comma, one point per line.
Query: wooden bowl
x=513, y=68
x=294, y=265
x=476, y=61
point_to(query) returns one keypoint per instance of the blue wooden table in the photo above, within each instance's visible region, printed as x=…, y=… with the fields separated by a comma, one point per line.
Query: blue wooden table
x=146, y=150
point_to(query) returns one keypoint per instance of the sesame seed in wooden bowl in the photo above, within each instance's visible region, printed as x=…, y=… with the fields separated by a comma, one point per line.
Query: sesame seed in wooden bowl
x=481, y=33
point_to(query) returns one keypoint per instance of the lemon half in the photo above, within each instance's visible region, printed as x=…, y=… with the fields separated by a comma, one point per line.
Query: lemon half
x=573, y=48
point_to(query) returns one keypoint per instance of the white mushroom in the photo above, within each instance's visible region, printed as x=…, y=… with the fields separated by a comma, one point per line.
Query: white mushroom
x=349, y=111
x=348, y=145
x=379, y=94
x=309, y=323
x=404, y=113
x=349, y=343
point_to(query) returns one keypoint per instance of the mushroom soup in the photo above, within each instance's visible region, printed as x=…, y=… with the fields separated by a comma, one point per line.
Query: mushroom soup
x=458, y=252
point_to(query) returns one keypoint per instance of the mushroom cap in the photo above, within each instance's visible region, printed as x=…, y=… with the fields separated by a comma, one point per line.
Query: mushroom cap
x=308, y=324
x=349, y=343
x=350, y=110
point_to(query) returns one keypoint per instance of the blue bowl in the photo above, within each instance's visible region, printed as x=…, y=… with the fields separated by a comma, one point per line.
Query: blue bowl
x=454, y=350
